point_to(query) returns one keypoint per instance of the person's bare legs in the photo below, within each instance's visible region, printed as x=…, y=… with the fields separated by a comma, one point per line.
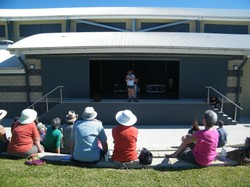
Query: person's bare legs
x=131, y=93
x=3, y=135
x=182, y=147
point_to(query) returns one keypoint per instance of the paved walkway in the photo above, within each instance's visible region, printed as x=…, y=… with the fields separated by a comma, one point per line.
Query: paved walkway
x=163, y=137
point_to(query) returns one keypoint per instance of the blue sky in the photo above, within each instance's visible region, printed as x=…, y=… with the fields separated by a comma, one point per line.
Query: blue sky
x=222, y=4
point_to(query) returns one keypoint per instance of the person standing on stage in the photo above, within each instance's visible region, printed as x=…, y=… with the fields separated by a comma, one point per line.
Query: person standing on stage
x=130, y=79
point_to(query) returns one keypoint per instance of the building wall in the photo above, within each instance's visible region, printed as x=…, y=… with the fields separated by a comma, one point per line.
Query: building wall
x=17, y=24
x=245, y=90
x=35, y=78
x=192, y=24
x=4, y=34
x=72, y=72
x=12, y=93
x=128, y=23
x=232, y=79
x=13, y=90
x=196, y=73
x=203, y=22
x=13, y=86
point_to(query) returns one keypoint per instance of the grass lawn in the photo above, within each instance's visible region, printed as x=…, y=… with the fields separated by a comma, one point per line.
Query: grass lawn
x=16, y=173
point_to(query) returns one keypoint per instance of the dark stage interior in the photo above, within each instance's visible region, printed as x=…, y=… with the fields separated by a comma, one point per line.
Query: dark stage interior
x=158, y=79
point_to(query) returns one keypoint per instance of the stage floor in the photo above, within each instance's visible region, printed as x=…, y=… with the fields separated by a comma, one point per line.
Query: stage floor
x=186, y=100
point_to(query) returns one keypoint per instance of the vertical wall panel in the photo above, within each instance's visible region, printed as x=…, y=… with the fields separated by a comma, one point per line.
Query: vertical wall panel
x=72, y=72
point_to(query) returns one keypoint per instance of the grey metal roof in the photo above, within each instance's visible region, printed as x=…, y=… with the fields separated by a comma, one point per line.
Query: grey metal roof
x=9, y=63
x=133, y=42
x=124, y=13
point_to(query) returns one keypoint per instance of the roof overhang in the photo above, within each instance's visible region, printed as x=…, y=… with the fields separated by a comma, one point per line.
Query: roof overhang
x=9, y=63
x=124, y=13
x=133, y=42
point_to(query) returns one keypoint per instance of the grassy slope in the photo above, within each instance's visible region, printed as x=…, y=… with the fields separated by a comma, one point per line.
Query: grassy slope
x=15, y=173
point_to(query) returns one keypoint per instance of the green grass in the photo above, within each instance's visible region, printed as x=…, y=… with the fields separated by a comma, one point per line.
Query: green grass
x=16, y=173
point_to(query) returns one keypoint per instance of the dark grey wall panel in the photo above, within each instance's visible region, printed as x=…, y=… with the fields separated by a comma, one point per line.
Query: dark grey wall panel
x=153, y=113
x=28, y=30
x=197, y=73
x=2, y=31
x=20, y=88
x=13, y=108
x=83, y=27
x=229, y=29
x=174, y=28
x=72, y=72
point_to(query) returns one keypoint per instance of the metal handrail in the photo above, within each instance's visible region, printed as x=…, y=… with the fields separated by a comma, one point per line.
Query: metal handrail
x=222, y=102
x=46, y=98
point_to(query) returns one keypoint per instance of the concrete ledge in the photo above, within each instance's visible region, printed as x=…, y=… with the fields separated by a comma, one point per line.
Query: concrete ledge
x=159, y=161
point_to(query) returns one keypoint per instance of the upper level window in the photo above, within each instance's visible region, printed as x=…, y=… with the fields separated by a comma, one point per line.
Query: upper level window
x=175, y=28
x=227, y=29
x=28, y=30
x=2, y=31
x=84, y=27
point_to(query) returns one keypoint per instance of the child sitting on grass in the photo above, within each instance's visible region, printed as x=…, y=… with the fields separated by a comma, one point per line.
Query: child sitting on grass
x=52, y=141
x=42, y=131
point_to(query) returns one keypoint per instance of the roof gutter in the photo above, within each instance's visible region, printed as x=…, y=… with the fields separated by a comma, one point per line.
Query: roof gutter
x=78, y=17
x=127, y=49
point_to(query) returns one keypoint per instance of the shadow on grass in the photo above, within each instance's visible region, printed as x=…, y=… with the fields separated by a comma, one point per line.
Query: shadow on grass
x=74, y=164
x=176, y=169
x=5, y=156
x=87, y=165
x=160, y=169
x=58, y=163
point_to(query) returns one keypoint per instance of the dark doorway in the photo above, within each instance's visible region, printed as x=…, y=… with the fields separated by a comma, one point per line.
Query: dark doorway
x=158, y=79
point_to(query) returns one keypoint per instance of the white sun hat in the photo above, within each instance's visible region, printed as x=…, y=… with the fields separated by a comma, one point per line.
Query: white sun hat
x=126, y=118
x=3, y=113
x=89, y=113
x=27, y=116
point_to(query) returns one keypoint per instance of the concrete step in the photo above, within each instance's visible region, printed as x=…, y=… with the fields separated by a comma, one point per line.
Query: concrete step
x=225, y=118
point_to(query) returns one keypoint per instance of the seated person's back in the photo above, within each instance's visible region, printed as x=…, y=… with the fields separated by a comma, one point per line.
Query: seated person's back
x=86, y=136
x=222, y=134
x=52, y=141
x=67, y=129
x=125, y=137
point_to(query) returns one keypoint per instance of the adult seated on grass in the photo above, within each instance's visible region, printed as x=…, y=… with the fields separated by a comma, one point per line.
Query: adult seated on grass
x=3, y=138
x=89, y=138
x=125, y=137
x=242, y=154
x=195, y=127
x=204, y=151
x=67, y=129
x=247, y=142
x=25, y=139
x=53, y=137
